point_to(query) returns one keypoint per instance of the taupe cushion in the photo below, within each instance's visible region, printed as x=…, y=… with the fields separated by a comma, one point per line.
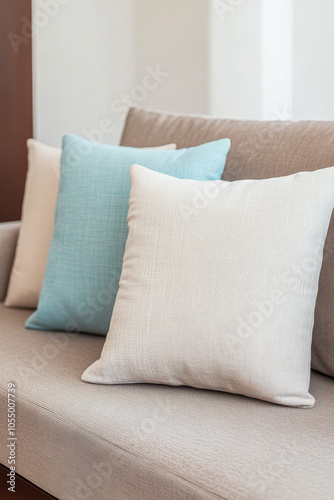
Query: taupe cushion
x=259, y=150
x=38, y=211
x=146, y=442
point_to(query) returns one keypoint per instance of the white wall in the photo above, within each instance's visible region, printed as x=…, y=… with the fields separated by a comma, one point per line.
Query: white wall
x=272, y=59
x=235, y=59
x=174, y=35
x=277, y=33
x=247, y=59
x=83, y=60
x=251, y=44
x=95, y=58
x=314, y=60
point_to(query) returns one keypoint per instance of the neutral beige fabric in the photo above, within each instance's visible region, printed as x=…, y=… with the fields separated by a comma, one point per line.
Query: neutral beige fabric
x=166, y=146
x=9, y=232
x=207, y=296
x=259, y=150
x=38, y=209
x=148, y=442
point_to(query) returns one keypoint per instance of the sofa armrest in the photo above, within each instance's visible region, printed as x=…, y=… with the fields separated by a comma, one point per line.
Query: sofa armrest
x=9, y=232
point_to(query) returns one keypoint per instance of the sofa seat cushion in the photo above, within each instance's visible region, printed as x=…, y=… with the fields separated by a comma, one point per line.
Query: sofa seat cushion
x=149, y=442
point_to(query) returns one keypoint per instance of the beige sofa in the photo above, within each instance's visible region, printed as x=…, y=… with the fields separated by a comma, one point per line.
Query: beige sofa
x=149, y=442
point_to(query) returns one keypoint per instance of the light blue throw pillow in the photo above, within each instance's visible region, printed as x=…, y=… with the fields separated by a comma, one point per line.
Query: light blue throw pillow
x=88, y=243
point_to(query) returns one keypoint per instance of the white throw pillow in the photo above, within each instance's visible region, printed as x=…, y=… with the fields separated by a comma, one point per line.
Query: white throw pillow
x=36, y=230
x=208, y=295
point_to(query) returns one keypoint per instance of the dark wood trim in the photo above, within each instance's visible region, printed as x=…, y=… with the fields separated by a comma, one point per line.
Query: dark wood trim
x=24, y=490
x=15, y=103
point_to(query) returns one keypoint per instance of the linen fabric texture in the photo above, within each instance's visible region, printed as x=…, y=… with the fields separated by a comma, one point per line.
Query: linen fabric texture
x=38, y=210
x=260, y=150
x=207, y=294
x=154, y=442
x=86, y=253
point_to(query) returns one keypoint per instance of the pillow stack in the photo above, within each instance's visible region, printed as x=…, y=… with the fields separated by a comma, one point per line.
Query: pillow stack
x=37, y=221
x=86, y=253
x=190, y=279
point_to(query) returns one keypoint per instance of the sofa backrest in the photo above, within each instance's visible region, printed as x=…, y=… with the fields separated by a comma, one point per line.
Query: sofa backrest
x=259, y=149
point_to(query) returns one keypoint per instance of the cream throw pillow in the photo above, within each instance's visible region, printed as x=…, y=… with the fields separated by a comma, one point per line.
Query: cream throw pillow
x=206, y=297
x=38, y=211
